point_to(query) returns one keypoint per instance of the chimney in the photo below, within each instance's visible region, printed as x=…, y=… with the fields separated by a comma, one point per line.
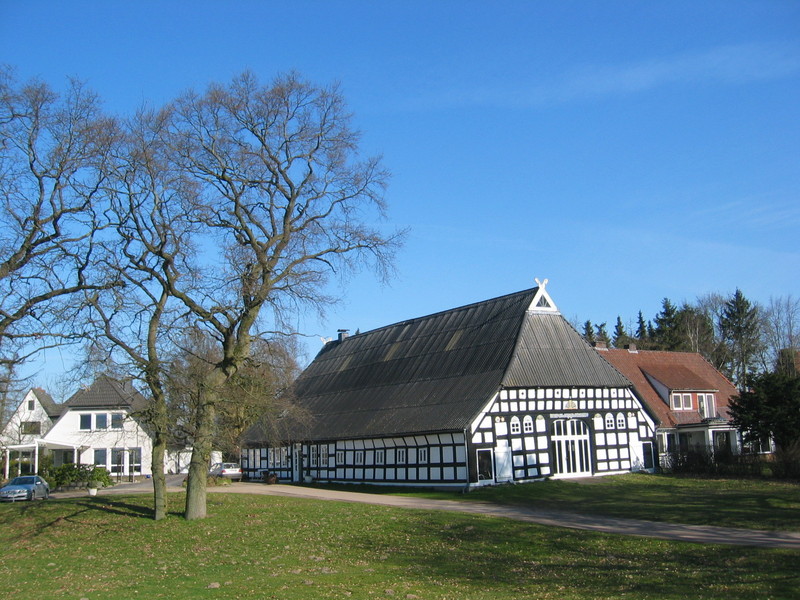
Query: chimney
x=631, y=348
x=599, y=346
x=342, y=334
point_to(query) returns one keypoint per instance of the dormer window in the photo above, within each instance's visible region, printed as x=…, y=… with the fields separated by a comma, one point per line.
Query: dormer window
x=705, y=404
x=681, y=401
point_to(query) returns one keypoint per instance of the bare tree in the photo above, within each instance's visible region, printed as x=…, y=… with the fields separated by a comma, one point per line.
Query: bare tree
x=285, y=202
x=781, y=325
x=234, y=207
x=149, y=251
x=52, y=150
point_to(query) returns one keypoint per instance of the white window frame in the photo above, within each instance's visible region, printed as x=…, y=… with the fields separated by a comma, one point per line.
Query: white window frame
x=621, y=422
x=339, y=457
x=314, y=455
x=422, y=456
x=708, y=403
x=359, y=457
x=515, y=426
x=609, y=421
x=401, y=456
x=380, y=457
x=527, y=424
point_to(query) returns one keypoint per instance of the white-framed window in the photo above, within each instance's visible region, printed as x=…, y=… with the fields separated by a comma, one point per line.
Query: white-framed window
x=340, y=457
x=422, y=456
x=117, y=460
x=135, y=457
x=100, y=455
x=101, y=421
x=323, y=455
x=313, y=456
x=30, y=428
x=705, y=404
x=401, y=456
x=681, y=401
x=359, y=457
x=86, y=422
x=527, y=424
x=116, y=420
x=515, y=426
x=284, y=457
x=31, y=405
x=609, y=421
x=621, y=421
x=380, y=457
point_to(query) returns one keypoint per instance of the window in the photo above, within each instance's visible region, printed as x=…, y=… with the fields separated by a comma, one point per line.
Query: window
x=323, y=455
x=681, y=402
x=100, y=455
x=401, y=456
x=527, y=424
x=621, y=421
x=380, y=457
x=101, y=421
x=86, y=422
x=117, y=460
x=359, y=457
x=31, y=405
x=313, y=456
x=31, y=428
x=422, y=456
x=705, y=404
x=340, y=457
x=515, y=429
x=116, y=420
x=609, y=421
x=135, y=455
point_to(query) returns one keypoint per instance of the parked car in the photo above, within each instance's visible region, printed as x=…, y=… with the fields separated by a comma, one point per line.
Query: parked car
x=230, y=470
x=27, y=487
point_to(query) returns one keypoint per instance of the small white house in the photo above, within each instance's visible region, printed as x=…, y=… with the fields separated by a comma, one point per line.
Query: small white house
x=99, y=425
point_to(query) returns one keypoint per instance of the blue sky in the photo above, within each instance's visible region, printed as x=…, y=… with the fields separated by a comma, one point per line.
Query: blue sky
x=626, y=151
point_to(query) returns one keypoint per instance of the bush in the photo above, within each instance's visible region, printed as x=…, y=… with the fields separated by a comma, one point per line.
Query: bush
x=787, y=462
x=70, y=474
x=100, y=477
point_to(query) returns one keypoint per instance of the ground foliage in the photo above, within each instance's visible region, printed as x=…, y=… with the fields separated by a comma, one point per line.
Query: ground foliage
x=270, y=547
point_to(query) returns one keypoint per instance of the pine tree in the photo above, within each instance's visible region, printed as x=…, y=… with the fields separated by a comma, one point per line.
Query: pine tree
x=641, y=329
x=588, y=332
x=602, y=334
x=621, y=337
x=667, y=335
x=739, y=324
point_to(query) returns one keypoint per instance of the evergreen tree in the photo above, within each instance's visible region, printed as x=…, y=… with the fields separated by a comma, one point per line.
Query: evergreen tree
x=667, y=334
x=602, y=334
x=641, y=329
x=621, y=337
x=588, y=332
x=739, y=324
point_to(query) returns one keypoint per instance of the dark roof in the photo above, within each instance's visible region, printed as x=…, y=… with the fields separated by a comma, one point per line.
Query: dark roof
x=105, y=392
x=436, y=373
x=684, y=371
x=52, y=409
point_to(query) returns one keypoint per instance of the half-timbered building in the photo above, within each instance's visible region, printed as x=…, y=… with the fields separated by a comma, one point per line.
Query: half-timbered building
x=503, y=390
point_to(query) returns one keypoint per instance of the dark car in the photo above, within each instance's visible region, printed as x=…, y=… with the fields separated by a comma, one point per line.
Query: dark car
x=26, y=487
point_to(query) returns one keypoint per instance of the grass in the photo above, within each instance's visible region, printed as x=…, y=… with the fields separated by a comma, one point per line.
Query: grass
x=749, y=504
x=257, y=547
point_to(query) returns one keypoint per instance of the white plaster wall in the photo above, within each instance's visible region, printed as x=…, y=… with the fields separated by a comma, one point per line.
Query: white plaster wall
x=12, y=433
x=131, y=435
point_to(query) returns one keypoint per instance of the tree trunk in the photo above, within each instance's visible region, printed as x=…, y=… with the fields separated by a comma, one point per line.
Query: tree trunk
x=201, y=454
x=159, y=478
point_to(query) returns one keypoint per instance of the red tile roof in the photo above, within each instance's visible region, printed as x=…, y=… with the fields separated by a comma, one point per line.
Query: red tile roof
x=683, y=371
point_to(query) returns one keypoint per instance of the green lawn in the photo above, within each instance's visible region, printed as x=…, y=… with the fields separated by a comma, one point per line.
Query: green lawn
x=750, y=504
x=271, y=547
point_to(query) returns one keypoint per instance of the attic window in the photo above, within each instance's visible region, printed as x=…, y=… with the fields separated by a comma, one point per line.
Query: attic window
x=543, y=303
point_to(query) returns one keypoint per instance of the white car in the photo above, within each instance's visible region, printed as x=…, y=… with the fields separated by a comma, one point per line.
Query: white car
x=230, y=470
